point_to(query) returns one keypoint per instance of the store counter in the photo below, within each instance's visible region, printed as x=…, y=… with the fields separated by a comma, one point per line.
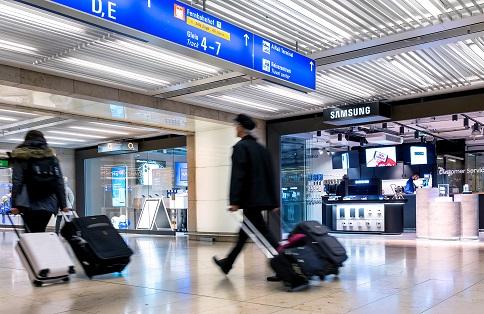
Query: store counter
x=364, y=215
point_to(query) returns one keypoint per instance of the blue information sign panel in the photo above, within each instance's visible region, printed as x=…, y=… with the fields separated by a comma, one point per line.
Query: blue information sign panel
x=283, y=63
x=119, y=186
x=184, y=25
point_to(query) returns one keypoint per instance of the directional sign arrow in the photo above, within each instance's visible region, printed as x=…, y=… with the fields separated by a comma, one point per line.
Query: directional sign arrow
x=312, y=65
x=246, y=39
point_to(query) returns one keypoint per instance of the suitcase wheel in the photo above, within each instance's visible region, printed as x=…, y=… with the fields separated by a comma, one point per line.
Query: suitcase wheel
x=72, y=270
x=37, y=283
x=66, y=279
x=44, y=272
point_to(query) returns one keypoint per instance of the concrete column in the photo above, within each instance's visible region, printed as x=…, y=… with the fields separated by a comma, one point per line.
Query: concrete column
x=424, y=196
x=469, y=215
x=192, y=191
x=444, y=219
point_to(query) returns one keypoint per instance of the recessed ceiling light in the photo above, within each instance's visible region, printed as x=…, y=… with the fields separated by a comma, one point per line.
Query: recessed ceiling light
x=64, y=139
x=8, y=119
x=118, y=126
x=46, y=22
x=98, y=130
x=77, y=134
x=48, y=142
x=163, y=56
x=245, y=103
x=12, y=46
x=19, y=112
x=115, y=71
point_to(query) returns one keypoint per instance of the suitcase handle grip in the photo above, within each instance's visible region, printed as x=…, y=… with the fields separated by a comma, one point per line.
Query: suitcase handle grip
x=65, y=216
x=101, y=224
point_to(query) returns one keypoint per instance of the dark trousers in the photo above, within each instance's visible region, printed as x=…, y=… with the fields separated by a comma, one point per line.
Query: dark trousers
x=36, y=220
x=254, y=216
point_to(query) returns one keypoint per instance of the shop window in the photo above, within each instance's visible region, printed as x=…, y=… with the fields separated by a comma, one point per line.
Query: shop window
x=139, y=191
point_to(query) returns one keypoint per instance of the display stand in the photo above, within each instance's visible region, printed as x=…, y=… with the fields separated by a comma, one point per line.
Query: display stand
x=154, y=216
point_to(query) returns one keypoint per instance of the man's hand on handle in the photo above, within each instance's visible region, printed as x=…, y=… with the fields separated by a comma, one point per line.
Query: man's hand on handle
x=66, y=210
x=234, y=208
x=14, y=211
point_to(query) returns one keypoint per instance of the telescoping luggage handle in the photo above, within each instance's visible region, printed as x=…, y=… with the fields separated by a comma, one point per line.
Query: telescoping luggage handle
x=258, y=238
x=14, y=227
x=67, y=218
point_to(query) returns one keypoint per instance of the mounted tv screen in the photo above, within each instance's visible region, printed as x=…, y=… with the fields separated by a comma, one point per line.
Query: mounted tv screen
x=418, y=155
x=381, y=157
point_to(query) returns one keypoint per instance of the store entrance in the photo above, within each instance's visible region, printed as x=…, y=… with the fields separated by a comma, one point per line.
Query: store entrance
x=377, y=168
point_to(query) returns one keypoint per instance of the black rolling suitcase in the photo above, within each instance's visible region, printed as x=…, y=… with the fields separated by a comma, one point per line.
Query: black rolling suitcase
x=97, y=244
x=285, y=266
x=328, y=246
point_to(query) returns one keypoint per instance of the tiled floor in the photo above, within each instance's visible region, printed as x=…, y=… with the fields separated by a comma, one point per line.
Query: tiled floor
x=383, y=275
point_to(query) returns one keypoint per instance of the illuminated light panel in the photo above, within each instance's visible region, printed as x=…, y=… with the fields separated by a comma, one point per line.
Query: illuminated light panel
x=12, y=46
x=64, y=139
x=245, y=103
x=177, y=60
x=9, y=119
x=98, y=130
x=76, y=134
x=115, y=71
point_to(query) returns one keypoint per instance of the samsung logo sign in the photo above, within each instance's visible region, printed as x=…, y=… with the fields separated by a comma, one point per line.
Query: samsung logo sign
x=357, y=114
x=350, y=113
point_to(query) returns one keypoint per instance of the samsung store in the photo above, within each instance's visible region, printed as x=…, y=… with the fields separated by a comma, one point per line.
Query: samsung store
x=362, y=169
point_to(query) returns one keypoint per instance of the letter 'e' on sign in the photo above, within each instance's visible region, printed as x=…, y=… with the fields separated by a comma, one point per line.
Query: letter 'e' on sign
x=357, y=114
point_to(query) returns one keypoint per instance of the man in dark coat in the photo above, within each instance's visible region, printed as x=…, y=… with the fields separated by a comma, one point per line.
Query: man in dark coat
x=252, y=186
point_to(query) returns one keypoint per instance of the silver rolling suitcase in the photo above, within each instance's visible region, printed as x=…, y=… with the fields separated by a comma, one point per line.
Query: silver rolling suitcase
x=44, y=257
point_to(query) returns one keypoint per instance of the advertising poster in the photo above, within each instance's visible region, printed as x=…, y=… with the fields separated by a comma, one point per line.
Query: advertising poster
x=381, y=157
x=181, y=174
x=119, y=183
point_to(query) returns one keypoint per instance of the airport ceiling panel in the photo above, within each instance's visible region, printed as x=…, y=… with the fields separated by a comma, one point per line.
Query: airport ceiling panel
x=318, y=25
x=432, y=70
x=261, y=99
x=46, y=41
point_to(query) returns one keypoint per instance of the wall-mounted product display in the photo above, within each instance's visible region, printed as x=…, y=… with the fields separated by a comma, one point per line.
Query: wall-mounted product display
x=144, y=170
x=119, y=185
x=360, y=217
x=381, y=157
x=418, y=155
x=346, y=160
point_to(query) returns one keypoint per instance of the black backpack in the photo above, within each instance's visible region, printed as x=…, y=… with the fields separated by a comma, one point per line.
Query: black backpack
x=42, y=177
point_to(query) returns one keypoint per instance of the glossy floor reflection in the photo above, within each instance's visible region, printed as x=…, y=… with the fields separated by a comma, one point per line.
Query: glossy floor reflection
x=395, y=274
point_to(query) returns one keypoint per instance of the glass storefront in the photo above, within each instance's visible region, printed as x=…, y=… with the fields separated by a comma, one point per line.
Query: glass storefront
x=139, y=191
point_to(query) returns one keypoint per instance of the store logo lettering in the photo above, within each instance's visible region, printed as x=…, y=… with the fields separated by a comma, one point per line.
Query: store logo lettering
x=348, y=113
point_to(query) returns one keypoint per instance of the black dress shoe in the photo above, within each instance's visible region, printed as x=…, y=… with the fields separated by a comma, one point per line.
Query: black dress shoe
x=222, y=263
x=273, y=278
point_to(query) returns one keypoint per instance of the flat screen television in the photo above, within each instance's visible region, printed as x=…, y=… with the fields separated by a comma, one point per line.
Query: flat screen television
x=381, y=157
x=418, y=155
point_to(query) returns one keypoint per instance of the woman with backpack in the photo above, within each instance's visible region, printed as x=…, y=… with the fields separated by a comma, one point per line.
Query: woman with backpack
x=38, y=190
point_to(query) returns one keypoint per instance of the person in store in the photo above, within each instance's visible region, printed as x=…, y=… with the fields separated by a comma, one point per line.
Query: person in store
x=252, y=188
x=70, y=204
x=38, y=189
x=410, y=187
x=341, y=188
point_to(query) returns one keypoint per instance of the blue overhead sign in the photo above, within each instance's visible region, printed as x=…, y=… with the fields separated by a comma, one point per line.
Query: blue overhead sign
x=184, y=25
x=283, y=63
